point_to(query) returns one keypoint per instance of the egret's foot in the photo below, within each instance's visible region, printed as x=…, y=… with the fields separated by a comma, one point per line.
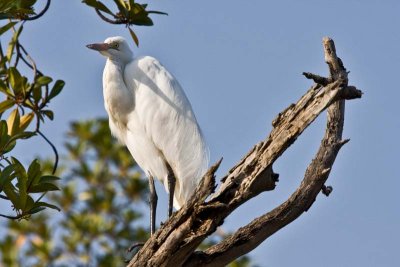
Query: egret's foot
x=132, y=248
x=135, y=245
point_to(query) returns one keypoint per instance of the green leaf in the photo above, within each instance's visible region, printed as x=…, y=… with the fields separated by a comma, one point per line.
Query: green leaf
x=13, y=121
x=3, y=86
x=99, y=5
x=34, y=173
x=9, y=191
x=7, y=27
x=36, y=210
x=48, y=113
x=37, y=93
x=3, y=130
x=25, y=120
x=12, y=43
x=6, y=104
x=9, y=146
x=22, y=181
x=142, y=20
x=19, y=168
x=48, y=205
x=22, y=135
x=5, y=175
x=16, y=80
x=134, y=37
x=138, y=9
x=157, y=12
x=26, y=4
x=43, y=187
x=29, y=204
x=58, y=86
x=48, y=178
x=44, y=80
x=122, y=6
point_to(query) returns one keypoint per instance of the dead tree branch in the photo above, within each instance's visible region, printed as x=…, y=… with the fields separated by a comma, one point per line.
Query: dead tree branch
x=174, y=244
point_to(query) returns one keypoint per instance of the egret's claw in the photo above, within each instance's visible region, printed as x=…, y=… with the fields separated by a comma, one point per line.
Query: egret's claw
x=132, y=248
x=135, y=245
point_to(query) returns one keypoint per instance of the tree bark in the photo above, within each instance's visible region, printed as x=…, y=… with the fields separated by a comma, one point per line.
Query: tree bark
x=174, y=244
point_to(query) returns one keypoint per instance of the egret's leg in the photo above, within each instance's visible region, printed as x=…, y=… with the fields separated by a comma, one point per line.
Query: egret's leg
x=153, y=198
x=171, y=188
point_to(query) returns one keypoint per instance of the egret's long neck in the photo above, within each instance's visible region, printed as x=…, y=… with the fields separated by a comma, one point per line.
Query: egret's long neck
x=118, y=99
x=114, y=75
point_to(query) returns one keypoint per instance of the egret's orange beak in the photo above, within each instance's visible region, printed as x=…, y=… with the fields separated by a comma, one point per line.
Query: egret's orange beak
x=99, y=46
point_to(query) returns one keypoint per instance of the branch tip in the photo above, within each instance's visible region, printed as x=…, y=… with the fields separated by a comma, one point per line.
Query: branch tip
x=317, y=79
x=342, y=142
x=216, y=165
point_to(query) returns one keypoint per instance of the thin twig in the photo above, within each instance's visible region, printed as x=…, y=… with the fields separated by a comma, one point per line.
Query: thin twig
x=1, y=51
x=32, y=64
x=36, y=72
x=22, y=110
x=11, y=217
x=54, y=150
x=117, y=21
x=8, y=161
x=41, y=13
x=4, y=197
x=41, y=196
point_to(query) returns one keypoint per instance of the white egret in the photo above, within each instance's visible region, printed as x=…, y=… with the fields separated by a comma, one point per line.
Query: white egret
x=149, y=113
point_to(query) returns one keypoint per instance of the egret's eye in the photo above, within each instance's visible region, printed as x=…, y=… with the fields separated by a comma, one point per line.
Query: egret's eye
x=115, y=45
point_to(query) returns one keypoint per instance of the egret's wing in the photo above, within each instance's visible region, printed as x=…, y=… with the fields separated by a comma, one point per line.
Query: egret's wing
x=166, y=116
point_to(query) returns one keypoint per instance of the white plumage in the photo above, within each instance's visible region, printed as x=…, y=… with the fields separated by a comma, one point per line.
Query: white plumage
x=149, y=113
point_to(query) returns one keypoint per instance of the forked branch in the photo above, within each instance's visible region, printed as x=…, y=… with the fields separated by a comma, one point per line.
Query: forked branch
x=174, y=244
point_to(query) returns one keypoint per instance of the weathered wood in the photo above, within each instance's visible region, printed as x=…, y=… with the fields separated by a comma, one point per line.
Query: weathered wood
x=175, y=242
x=250, y=236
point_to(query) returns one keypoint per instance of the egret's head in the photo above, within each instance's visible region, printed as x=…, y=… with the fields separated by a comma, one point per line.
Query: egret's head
x=115, y=48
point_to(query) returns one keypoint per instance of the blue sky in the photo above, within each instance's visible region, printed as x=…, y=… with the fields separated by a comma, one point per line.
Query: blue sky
x=240, y=63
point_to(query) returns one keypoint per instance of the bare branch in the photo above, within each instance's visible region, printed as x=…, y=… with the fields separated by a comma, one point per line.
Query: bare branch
x=175, y=242
x=250, y=236
x=317, y=79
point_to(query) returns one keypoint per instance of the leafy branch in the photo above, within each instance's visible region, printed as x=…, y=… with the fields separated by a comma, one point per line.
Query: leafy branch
x=26, y=99
x=129, y=13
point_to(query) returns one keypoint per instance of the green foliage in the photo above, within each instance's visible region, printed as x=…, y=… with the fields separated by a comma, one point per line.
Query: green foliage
x=31, y=181
x=100, y=195
x=24, y=101
x=16, y=9
x=129, y=13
